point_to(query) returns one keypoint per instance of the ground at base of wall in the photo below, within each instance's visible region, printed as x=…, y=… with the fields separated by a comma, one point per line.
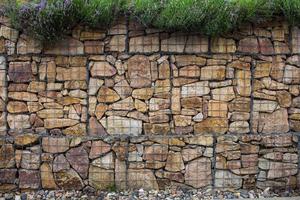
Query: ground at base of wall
x=170, y=194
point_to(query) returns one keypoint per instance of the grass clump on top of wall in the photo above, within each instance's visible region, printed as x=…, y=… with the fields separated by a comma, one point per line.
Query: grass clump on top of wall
x=49, y=20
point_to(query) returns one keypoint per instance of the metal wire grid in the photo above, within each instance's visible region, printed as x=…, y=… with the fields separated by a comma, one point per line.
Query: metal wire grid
x=207, y=172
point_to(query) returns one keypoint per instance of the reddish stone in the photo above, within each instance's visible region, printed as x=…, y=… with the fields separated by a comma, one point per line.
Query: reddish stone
x=29, y=179
x=93, y=47
x=265, y=46
x=95, y=128
x=8, y=176
x=78, y=158
x=248, y=45
x=20, y=72
x=60, y=163
x=17, y=87
x=99, y=148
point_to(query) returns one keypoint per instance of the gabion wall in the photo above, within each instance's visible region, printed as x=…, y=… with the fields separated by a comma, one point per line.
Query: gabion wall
x=134, y=107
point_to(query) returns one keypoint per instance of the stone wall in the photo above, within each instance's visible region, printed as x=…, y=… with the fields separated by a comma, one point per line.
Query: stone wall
x=133, y=107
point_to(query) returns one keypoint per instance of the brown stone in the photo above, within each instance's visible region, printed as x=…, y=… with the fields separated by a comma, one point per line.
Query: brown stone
x=212, y=73
x=182, y=120
x=95, y=128
x=250, y=160
x=7, y=176
x=183, y=81
x=158, y=104
x=223, y=94
x=76, y=130
x=227, y=146
x=59, y=123
x=16, y=107
x=223, y=45
x=211, y=125
x=175, y=43
x=217, y=108
x=102, y=69
x=47, y=177
x=139, y=72
x=20, y=72
x=55, y=145
x=36, y=86
x=17, y=87
x=192, y=102
x=226, y=179
x=190, y=71
x=283, y=140
x=68, y=180
x=68, y=100
x=71, y=74
x=50, y=113
x=141, y=178
x=60, y=163
x=93, y=47
x=262, y=69
x=200, y=168
x=29, y=179
x=203, y=140
x=164, y=70
x=144, y=44
x=68, y=46
x=265, y=46
x=195, y=89
x=248, y=45
x=183, y=60
x=156, y=152
x=78, y=159
x=100, y=110
x=26, y=139
x=276, y=122
x=123, y=89
x=125, y=104
x=99, y=148
x=7, y=156
x=191, y=154
x=291, y=75
x=243, y=78
x=284, y=98
x=174, y=162
x=240, y=104
x=143, y=93
x=100, y=179
x=116, y=43
x=18, y=121
x=107, y=95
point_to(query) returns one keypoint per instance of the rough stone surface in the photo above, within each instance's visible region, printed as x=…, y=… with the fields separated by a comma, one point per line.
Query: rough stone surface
x=78, y=159
x=200, y=168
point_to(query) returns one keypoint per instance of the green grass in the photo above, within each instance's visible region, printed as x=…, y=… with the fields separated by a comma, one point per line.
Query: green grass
x=211, y=17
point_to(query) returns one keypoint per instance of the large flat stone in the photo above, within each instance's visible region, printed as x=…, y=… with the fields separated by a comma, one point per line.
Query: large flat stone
x=68, y=46
x=139, y=71
x=101, y=179
x=226, y=179
x=195, y=89
x=59, y=123
x=198, y=173
x=122, y=125
x=20, y=72
x=55, y=145
x=68, y=180
x=78, y=159
x=141, y=178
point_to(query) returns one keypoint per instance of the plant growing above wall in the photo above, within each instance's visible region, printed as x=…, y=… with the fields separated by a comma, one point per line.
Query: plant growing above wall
x=49, y=20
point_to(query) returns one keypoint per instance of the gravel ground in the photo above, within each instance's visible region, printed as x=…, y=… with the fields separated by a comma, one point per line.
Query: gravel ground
x=170, y=194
